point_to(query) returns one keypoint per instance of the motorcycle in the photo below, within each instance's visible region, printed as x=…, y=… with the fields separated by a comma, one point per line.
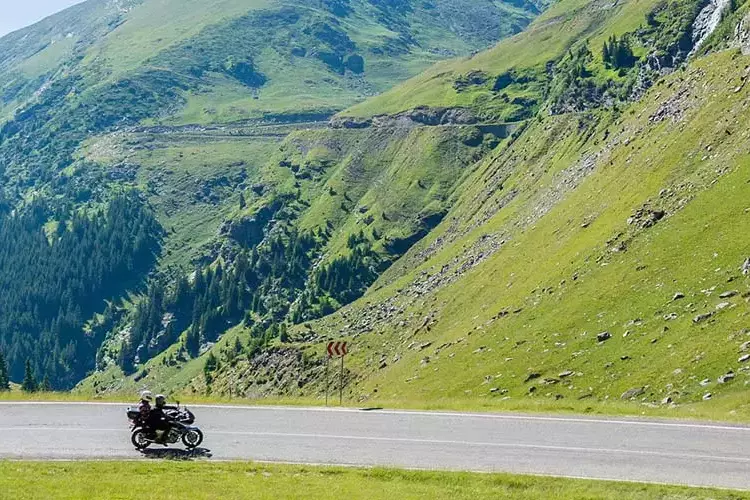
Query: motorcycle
x=180, y=428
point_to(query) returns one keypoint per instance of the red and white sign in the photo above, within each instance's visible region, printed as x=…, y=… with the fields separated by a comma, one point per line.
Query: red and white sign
x=337, y=349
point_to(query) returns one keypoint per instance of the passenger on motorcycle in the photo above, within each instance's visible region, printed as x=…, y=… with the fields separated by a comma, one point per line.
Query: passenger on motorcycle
x=144, y=407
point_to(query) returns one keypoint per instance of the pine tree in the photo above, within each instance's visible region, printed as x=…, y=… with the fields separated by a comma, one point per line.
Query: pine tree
x=192, y=340
x=29, y=383
x=46, y=385
x=211, y=365
x=283, y=333
x=4, y=380
x=125, y=356
x=237, y=346
x=243, y=203
x=627, y=59
x=618, y=53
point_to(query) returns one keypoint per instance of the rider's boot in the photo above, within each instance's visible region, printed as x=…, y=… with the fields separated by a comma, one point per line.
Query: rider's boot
x=161, y=437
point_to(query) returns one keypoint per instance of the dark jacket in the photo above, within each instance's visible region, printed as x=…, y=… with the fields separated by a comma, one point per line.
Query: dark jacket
x=157, y=420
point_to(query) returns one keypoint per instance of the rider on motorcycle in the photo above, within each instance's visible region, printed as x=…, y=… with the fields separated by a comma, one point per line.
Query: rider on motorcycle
x=161, y=402
x=162, y=424
x=158, y=422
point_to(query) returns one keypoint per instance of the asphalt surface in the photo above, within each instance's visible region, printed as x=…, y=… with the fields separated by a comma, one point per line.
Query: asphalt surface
x=635, y=450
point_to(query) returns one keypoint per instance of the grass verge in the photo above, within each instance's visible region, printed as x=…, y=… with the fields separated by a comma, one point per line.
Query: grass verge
x=733, y=407
x=166, y=480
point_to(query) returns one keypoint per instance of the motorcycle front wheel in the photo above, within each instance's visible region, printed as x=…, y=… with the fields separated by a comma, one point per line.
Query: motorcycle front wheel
x=139, y=440
x=192, y=438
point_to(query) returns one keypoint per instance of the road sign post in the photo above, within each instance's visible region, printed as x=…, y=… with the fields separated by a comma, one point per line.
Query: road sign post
x=341, y=382
x=328, y=362
x=336, y=349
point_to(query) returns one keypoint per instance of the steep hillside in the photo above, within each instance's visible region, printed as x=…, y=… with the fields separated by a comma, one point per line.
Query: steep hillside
x=598, y=256
x=176, y=107
x=591, y=251
x=612, y=267
x=314, y=237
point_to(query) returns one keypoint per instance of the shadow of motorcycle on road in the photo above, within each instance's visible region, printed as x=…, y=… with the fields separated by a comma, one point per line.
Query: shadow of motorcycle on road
x=176, y=454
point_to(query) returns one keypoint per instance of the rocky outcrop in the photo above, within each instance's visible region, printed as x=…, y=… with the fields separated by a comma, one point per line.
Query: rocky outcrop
x=438, y=116
x=707, y=21
x=422, y=116
x=633, y=393
x=646, y=217
x=741, y=38
x=472, y=79
x=278, y=371
x=349, y=122
x=249, y=231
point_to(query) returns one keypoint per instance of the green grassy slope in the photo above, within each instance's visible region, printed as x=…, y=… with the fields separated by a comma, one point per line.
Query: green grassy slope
x=388, y=200
x=192, y=181
x=30, y=57
x=544, y=42
x=580, y=251
x=103, y=65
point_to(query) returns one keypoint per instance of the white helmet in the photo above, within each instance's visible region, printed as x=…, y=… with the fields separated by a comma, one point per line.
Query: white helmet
x=146, y=396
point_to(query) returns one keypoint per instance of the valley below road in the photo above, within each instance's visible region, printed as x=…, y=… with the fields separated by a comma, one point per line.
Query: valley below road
x=675, y=452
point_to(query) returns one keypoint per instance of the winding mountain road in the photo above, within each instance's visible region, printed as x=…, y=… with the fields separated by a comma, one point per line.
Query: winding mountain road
x=623, y=449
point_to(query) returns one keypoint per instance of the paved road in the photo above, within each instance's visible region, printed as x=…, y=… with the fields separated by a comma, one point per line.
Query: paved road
x=638, y=450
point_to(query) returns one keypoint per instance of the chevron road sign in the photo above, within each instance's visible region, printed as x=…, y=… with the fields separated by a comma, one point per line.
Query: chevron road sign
x=337, y=349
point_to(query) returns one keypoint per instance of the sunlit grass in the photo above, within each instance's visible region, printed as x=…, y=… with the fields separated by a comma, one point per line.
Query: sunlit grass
x=179, y=480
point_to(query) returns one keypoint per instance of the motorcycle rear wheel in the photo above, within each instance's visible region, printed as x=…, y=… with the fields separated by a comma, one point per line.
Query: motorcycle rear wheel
x=139, y=440
x=192, y=438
